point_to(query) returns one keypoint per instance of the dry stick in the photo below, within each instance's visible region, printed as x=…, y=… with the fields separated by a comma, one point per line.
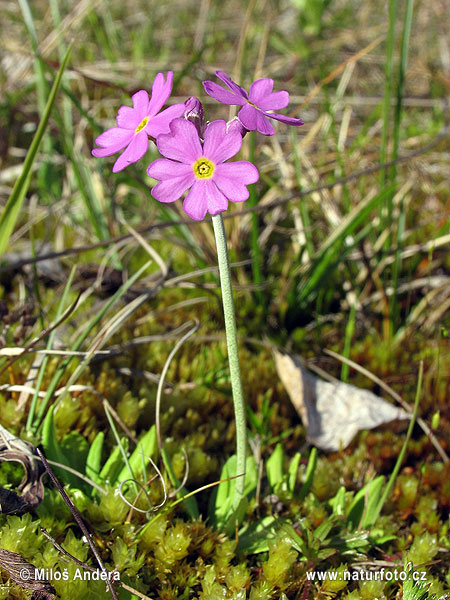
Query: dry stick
x=433, y=439
x=78, y=518
x=260, y=208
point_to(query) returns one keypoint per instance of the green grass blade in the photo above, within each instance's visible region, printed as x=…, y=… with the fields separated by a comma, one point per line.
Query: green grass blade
x=349, y=331
x=11, y=212
x=274, y=467
x=94, y=458
x=401, y=456
x=330, y=251
x=310, y=470
x=147, y=446
x=189, y=502
x=46, y=358
x=407, y=23
x=53, y=450
x=292, y=472
x=387, y=90
x=129, y=474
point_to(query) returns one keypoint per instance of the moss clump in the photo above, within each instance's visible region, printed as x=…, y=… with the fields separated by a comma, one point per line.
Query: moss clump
x=153, y=532
x=338, y=583
x=111, y=510
x=406, y=491
x=372, y=590
x=173, y=546
x=281, y=558
x=423, y=549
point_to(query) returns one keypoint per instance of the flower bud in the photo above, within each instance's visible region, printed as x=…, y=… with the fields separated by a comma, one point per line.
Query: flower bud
x=194, y=112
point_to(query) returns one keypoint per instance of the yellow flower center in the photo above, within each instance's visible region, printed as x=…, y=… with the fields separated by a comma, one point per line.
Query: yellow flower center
x=203, y=168
x=142, y=124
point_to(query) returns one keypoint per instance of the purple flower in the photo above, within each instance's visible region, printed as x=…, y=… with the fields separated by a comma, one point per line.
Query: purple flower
x=135, y=125
x=255, y=105
x=201, y=169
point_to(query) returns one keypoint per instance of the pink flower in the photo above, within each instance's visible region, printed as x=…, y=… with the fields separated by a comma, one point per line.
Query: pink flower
x=201, y=169
x=255, y=105
x=135, y=125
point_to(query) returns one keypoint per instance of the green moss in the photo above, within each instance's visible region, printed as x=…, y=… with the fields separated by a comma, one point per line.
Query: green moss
x=336, y=584
x=371, y=590
x=423, y=549
x=111, y=509
x=237, y=578
x=153, y=533
x=406, y=489
x=281, y=558
x=174, y=545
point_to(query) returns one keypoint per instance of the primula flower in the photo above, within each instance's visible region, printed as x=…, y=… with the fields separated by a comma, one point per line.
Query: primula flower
x=255, y=105
x=201, y=169
x=135, y=125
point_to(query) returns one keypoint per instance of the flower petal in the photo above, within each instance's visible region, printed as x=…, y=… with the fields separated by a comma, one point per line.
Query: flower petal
x=263, y=124
x=234, y=87
x=274, y=101
x=170, y=190
x=247, y=116
x=232, y=179
x=217, y=202
x=140, y=103
x=127, y=118
x=133, y=152
x=204, y=197
x=160, y=123
x=161, y=91
x=183, y=144
x=162, y=168
x=254, y=120
x=260, y=89
x=195, y=205
x=219, y=145
x=218, y=93
x=116, y=137
x=284, y=119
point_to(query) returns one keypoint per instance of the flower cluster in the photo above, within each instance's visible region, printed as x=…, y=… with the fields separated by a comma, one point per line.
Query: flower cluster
x=195, y=151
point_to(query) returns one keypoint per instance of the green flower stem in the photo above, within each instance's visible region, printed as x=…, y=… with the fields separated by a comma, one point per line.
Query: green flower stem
x=233, y=356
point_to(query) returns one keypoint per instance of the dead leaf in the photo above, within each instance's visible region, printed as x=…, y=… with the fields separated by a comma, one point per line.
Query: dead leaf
x=31, y=487
x=24, y=574
x=332, y=413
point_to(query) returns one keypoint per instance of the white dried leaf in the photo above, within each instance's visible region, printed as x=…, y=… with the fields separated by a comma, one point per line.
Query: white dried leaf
x=332, y=413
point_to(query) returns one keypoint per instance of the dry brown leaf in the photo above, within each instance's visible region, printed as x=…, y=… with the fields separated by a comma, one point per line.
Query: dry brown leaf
x=24, y=574
x=332, y=413
x=14, y=449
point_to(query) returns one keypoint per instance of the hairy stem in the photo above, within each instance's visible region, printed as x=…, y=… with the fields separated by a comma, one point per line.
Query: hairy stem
x=233, y=357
